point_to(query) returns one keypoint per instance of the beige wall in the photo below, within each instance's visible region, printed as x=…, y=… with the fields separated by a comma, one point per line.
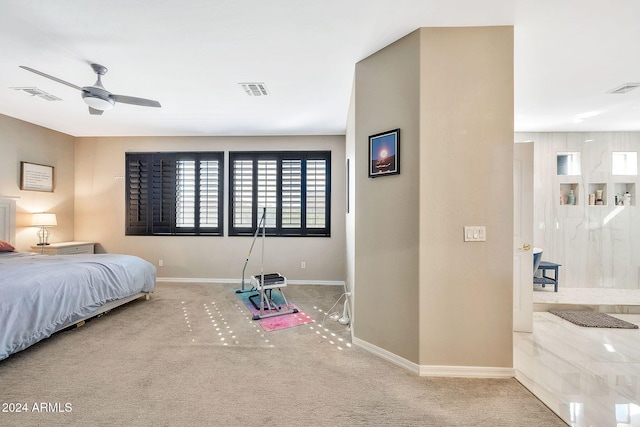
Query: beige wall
x=350, y=219
x=421, y=293
x=89, y=174
x=466, y=178
x=23, y=142
x=386, y=303
x=100, y=198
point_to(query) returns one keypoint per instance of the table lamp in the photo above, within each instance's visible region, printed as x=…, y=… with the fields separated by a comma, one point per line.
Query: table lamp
x=43, y=220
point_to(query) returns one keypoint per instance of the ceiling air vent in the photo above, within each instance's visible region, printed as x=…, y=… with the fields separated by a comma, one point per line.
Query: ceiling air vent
x=34, y=91
x=627, y=87
x=254, y=89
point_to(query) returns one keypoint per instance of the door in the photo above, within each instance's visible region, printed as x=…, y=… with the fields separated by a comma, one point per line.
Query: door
x=523, y=237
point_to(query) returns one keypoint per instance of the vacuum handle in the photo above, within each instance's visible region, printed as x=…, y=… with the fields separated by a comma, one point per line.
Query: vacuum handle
x=255, y=237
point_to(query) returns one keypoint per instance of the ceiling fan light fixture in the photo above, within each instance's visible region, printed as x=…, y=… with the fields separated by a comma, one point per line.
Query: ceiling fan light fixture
x=98, y=103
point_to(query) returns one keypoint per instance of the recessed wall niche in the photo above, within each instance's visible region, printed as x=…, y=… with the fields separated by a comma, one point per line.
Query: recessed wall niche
x=568, y=163
x=625, y=193
x=566, y=190
x=597, y=194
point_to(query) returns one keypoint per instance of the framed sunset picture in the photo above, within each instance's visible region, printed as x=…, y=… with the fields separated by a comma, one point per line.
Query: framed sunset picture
x=384, y=154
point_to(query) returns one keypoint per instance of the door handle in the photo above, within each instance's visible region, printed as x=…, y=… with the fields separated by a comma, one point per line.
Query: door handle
x=525, y=247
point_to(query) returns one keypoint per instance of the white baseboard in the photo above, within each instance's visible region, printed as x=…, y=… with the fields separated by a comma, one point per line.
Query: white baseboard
x=467, y=371
x=387, y=355
x=436, y=371
x=247, y=280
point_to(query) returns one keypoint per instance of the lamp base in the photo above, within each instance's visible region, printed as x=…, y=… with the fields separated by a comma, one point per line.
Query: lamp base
x=43, y=236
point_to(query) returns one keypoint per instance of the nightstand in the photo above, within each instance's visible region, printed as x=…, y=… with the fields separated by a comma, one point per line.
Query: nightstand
x=65, y=248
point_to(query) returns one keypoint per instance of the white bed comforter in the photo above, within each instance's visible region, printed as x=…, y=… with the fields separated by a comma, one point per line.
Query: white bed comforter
x=41, y=293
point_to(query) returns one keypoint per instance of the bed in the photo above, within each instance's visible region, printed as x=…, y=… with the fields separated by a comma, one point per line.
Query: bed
x=44, y=294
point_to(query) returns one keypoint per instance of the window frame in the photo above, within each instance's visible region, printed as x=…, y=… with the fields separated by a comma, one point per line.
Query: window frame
x=156, y=202
x=624, y=163
x=279, y=157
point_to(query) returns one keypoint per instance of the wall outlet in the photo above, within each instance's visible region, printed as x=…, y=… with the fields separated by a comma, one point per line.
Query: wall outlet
x=303, y=264
x=161, y=263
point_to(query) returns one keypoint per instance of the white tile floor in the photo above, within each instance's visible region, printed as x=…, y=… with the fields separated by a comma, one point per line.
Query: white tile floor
x=586, y=296
x=588, y=376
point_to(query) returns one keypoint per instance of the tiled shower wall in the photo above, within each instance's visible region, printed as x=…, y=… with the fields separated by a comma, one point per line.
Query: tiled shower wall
x=598, y=246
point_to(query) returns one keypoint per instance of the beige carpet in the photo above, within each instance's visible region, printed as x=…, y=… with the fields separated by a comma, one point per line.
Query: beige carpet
x=191, y=356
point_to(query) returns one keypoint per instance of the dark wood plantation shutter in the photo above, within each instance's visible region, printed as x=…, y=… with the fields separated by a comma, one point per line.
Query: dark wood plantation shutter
x=291, y=194
x=267, y=194
x=210, y=195
x=198, y=194
x=317, y=194
x=137, y=195
x=163, y=193
x=241, y=204
x=150, y=193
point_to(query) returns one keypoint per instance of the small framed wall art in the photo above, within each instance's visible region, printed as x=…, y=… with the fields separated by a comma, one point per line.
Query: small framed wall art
x=384, y=153
x=36, y=177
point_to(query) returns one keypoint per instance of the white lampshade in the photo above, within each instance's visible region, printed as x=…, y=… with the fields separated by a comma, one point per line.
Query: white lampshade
x=44, y=219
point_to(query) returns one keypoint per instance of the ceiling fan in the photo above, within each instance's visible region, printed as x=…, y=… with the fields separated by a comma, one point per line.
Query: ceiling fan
x=96, y=96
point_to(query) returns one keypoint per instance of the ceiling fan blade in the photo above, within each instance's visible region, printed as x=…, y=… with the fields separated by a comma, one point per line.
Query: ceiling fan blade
x=95, y=112
x=135, y=101
x=55, y=79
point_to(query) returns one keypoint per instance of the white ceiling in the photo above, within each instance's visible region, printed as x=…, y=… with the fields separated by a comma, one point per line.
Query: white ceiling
x=190, y=55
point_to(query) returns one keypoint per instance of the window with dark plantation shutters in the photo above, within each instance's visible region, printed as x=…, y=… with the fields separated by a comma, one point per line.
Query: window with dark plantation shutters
x=294, y=187
x=174, y=193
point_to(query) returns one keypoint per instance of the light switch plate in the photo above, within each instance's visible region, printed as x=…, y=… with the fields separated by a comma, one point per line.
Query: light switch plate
x=476, y=233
